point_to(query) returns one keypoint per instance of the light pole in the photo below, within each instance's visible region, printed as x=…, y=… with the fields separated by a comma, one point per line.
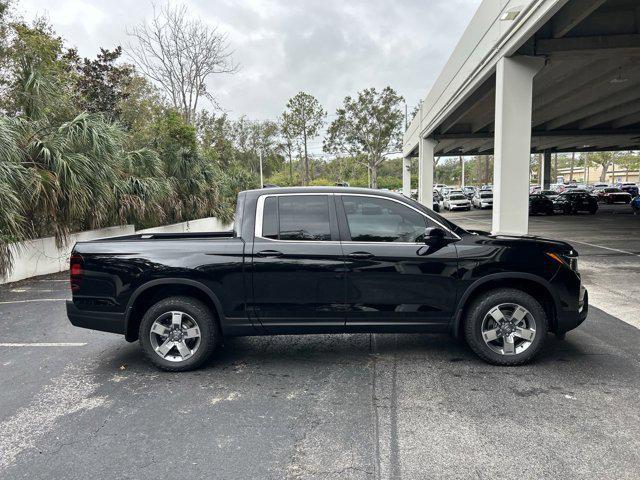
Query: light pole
x=261, y=177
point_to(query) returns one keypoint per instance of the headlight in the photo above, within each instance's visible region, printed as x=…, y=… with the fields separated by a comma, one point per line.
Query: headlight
x=570, y=259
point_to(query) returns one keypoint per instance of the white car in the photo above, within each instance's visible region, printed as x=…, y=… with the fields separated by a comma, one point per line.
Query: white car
x=483, y=199
x=457, y=201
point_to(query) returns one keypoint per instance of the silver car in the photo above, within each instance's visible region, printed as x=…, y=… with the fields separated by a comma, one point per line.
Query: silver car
x=457, y=201
x=483, y=199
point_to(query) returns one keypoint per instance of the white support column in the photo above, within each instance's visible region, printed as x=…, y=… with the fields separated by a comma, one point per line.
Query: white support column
x=425, y=171
x=514, y=87
x=406, y=176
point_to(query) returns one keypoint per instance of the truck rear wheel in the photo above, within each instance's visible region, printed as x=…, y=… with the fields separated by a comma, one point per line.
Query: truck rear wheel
x=178, y=333
x=506, y=327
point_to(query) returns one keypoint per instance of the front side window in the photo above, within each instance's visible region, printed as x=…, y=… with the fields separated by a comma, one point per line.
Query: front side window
x=296, y=217
x=379, y=220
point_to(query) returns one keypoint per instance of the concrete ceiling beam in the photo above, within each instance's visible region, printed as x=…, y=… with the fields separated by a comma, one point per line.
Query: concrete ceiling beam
x=630, y=94
x=572, y=14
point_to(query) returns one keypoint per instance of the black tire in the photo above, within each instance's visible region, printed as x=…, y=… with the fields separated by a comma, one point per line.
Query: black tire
x=593, y=211
x=550, y=211
x=480, y=308
x=205, y=320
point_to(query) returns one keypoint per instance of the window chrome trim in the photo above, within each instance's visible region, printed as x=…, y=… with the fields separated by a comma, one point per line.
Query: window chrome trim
x=404, y=204
x=260, y=213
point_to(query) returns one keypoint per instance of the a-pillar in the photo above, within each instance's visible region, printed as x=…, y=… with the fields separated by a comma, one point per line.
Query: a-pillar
x=425, y=171
x=514, y=87
x=406, y=176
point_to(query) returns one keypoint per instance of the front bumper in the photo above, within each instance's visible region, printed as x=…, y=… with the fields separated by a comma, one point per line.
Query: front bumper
x=572, y=318
x=112, y=322
x=461, y=206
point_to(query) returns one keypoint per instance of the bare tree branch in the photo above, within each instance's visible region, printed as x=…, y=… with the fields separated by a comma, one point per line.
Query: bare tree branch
x=180, y=54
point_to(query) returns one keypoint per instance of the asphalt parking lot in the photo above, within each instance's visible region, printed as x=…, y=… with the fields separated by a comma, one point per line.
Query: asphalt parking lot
x=86, y=404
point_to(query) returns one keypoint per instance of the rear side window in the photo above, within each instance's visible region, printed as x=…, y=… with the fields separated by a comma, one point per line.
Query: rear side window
x=296, y=217
x=380, y=220
x=270, y=218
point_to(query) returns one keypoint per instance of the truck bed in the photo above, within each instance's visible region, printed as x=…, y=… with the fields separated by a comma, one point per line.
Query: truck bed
x=167, y=236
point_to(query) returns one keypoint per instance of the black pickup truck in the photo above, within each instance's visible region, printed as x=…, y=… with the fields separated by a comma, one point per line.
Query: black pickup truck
x=327, y=260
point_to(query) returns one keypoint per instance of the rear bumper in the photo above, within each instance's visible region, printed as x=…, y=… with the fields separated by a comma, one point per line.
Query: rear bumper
x=112, y=322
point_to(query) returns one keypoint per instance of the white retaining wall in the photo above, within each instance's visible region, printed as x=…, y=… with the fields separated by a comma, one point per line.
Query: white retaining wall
x=41, y=256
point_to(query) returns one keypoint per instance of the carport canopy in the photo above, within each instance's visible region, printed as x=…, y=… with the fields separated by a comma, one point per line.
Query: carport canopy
x=540, y=77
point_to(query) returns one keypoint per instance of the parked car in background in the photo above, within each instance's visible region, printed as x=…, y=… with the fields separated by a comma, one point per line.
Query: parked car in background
x=612, y=195
x=597, y=186
x=540, y=204
x=635, y=205
x=534, y=188
x=443, y=189
x=456, y=201
x=629, y=187
x=437, y=200
x=453, y=191
x=483, y=199
x=572, y=202
x=570, y=186
x=327, y=260
x=550, y=194
x=469, y=191
x=487, y=186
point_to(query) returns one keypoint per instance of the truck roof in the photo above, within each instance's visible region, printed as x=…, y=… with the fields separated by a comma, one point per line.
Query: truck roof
x=334, y=189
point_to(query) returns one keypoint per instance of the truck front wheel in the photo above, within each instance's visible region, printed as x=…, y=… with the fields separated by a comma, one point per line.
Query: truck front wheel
x=506, y=327
x=178, y=333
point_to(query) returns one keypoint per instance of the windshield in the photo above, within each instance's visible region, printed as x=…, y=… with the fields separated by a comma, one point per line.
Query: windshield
x=486, y=195
x=457, y=197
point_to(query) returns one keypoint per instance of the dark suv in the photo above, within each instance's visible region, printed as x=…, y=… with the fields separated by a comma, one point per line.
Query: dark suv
x=327, y=260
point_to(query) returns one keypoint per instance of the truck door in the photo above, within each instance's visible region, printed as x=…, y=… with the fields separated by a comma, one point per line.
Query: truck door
x=394, y=281
x=298, y=273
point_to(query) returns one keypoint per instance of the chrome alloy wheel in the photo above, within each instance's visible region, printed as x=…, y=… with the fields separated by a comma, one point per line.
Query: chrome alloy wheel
x=508, y=329
x=175, y=336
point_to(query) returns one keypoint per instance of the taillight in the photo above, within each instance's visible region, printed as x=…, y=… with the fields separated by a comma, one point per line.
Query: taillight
x=75, y=271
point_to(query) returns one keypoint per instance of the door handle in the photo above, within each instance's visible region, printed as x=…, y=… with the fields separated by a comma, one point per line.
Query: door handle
x=269, y=253
x=360, y=255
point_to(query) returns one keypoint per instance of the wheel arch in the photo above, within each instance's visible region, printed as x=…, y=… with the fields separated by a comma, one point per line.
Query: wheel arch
x=153, y=291
x=534, y=285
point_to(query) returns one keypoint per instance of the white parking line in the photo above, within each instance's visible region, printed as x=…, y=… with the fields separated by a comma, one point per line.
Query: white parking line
x=35, y=300
x=45, y=344
x=476, y=220
x=605, y=248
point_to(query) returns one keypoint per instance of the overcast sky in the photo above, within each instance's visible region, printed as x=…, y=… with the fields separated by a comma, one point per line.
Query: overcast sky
x=329, y=48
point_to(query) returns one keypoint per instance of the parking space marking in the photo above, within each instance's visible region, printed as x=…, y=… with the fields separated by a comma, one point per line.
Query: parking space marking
x=8, y=302
x=71, y=392
x=476, y=220
x=44, y=344
x=605, y=248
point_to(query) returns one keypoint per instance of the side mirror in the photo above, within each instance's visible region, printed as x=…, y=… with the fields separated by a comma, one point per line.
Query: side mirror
x=433, y=235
